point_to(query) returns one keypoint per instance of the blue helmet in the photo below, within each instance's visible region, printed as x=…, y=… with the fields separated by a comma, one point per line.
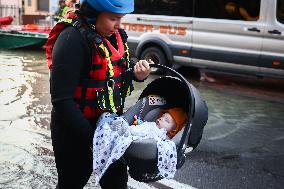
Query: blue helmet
x=115, y=6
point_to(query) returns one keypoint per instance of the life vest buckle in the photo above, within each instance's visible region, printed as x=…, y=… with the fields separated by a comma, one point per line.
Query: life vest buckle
x=110, y=83
x=77, y=24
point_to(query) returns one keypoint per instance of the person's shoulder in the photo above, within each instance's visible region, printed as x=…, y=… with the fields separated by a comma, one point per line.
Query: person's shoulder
x=69, y=30
x=70, y=37
x=70, y=33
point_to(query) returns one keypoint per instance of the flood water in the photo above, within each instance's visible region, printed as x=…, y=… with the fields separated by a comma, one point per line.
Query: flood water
x=26, y=156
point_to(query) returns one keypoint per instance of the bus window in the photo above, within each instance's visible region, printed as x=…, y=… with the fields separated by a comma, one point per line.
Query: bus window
x=280, y=11
x=164, y=7
x=247, y=10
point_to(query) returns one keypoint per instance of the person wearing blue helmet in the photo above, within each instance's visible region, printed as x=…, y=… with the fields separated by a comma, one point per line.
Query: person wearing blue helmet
x=115, y=6
x=89, y=61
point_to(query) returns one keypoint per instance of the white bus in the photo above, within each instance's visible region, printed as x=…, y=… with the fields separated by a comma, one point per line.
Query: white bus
x=235, y=36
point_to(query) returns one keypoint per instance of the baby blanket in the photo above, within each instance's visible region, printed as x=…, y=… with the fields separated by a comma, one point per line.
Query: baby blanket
x=109, y=146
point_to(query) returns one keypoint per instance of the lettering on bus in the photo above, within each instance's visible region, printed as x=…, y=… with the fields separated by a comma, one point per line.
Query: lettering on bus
x=170, y=30
x=138, y=27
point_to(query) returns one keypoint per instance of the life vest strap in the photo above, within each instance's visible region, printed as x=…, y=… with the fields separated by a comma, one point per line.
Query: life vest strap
x=101, y=84
x=119, y=62
x=103, y=101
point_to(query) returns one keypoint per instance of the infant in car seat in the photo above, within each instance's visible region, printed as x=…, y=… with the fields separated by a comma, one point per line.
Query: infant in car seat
x=169, y=120
x=114, y=135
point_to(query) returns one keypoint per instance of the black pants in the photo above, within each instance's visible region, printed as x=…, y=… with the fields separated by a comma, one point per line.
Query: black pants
x=74, y=161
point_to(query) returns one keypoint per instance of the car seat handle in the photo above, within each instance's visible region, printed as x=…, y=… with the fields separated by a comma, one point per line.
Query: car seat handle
x=170, y=70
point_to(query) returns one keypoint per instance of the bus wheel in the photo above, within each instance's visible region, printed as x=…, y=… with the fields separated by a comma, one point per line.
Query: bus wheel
x=157, y=56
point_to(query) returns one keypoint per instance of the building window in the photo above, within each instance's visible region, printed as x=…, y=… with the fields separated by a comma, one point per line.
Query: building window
x=29, y=3
x=42, y=5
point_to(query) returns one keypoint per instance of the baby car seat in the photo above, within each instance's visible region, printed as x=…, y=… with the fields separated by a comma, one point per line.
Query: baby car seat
x=165, y=92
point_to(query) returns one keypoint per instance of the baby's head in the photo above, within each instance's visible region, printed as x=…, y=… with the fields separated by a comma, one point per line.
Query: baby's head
x=172, y=120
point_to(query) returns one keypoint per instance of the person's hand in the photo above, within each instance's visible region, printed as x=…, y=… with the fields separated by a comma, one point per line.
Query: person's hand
x=142, y=69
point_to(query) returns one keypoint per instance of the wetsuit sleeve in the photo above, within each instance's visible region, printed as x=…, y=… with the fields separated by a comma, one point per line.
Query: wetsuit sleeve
x=69, y=55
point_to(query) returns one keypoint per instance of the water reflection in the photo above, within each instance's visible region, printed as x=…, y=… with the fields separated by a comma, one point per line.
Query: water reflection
x=26, y=157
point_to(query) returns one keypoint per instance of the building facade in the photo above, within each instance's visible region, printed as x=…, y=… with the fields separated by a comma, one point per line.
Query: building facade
x=12, y=8
x=29, y=11
x=11, y=2
x=35, y=11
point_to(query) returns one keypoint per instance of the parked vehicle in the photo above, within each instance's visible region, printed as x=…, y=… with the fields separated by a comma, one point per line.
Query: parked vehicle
x=216, y=35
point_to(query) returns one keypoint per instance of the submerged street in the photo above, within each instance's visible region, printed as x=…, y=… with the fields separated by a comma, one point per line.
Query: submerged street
x=242, y=144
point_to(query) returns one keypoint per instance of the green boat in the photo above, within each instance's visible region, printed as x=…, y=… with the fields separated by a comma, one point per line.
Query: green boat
x=11, y=39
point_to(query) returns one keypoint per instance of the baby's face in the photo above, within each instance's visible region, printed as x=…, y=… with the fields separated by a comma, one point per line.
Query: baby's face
x=166, y=121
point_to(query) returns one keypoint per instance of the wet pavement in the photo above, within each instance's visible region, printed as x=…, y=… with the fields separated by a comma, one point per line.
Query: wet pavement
x=242, y=144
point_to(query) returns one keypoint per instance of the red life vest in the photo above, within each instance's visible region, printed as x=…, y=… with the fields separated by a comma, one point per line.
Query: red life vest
x=106, y=86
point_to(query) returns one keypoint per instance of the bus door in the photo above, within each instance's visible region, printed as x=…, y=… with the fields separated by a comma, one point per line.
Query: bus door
x=272, y=57
x=227, y=35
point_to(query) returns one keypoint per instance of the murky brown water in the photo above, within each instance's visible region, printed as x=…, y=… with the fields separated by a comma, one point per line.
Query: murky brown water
x=26, y=157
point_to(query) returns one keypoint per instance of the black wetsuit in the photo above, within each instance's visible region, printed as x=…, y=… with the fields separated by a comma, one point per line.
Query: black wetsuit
x=71, y=133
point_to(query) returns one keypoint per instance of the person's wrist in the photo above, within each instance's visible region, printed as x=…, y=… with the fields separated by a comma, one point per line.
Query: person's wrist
x=140, y=78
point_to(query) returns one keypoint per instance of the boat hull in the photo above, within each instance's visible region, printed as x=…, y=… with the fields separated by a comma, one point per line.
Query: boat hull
x=17, y=39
